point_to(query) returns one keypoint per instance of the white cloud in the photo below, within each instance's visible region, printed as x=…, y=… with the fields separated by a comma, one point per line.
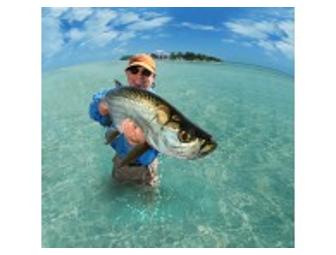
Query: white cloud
x=149, y=24
x=287, y=27
x=286, y=48
x=104, y=16
x=56, y=12
x=197, y=26
x=272, y=35
x=75, y=35
x=125, y=36
x=95, y=27
x=78, y=14
x=150, y=15
x=278, y=13
x=105, y=38
x=252, y=29
x=128, y=17
x=98, y=22
x=267, y=45
x=96, y=30
x=101, y=39
x=52, y=37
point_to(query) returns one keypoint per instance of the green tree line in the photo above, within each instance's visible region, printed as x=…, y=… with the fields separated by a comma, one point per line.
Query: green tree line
x=188, y=56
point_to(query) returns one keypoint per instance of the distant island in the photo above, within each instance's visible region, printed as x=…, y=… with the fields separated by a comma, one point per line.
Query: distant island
x=188, y=56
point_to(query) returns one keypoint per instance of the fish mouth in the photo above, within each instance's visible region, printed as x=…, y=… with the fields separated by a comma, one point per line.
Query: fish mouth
x=207, y=147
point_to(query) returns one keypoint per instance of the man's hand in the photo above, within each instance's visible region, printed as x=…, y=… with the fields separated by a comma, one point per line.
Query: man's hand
x=132, y=132
x=103, y=108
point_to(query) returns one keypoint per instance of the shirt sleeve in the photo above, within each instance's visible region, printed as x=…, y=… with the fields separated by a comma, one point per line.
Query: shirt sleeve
x=148, y=157
x=94, y=112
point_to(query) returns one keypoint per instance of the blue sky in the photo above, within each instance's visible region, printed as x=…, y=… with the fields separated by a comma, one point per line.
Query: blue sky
x=261, y=36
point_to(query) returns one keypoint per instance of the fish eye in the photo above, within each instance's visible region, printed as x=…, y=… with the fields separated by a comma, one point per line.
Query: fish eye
x=184, y=136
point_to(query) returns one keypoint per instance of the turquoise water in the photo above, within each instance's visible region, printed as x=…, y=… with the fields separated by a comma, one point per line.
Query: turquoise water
x=241, y=195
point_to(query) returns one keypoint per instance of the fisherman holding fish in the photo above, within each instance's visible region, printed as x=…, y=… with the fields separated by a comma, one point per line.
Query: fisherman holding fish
x=140, y=73
x=144, y=124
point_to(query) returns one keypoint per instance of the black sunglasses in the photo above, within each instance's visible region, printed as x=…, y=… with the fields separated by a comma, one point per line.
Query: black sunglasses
x=136, y=69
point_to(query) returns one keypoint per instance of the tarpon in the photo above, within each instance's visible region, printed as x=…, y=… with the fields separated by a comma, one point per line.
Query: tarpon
x=165, y=128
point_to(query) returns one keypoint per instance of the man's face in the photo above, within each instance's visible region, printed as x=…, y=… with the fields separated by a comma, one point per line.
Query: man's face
x=140, y=77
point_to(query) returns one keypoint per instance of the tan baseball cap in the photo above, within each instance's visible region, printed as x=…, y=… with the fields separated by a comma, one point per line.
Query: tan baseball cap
x=144, y=60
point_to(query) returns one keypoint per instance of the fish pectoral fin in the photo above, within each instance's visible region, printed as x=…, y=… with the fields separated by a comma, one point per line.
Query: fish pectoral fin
x=110, y=135
x=136, y=152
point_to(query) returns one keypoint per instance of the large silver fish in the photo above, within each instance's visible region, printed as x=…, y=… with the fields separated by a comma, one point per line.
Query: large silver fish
x=165, y=128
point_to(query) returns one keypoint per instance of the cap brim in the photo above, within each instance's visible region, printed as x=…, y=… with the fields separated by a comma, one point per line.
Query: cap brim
x=143, y=65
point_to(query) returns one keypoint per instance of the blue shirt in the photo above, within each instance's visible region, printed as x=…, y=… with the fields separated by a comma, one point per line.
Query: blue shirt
x=119, y=144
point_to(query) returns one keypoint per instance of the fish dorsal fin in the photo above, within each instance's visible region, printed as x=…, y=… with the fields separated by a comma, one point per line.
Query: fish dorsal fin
x=136, y=152
x=118, y=84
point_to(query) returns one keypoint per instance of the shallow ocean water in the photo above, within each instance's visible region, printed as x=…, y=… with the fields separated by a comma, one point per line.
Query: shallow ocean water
x=241, y=195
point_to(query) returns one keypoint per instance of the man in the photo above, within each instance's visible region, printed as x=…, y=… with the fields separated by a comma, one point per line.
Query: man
x=140, y=73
